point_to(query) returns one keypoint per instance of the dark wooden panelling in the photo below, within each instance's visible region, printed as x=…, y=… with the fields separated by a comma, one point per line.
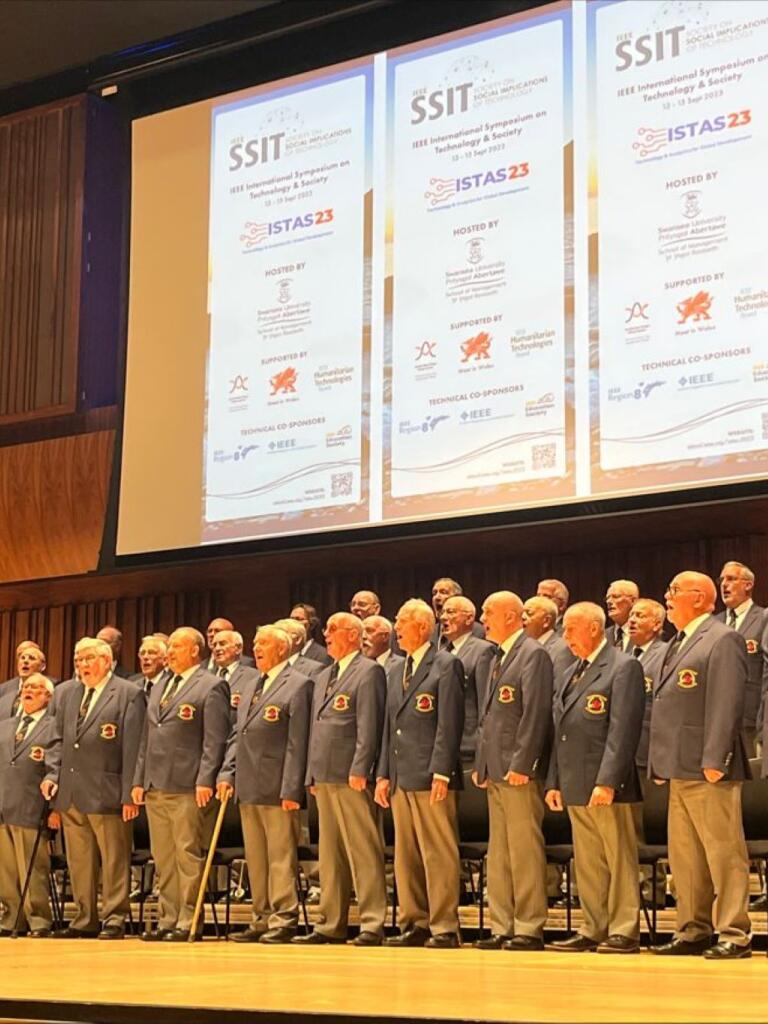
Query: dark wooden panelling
x=42, y=154
x=52, y=502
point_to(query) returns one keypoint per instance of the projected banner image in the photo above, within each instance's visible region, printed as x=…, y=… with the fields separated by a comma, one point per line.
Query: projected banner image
x=479, y=314
x=288, y=385
x=679, y=221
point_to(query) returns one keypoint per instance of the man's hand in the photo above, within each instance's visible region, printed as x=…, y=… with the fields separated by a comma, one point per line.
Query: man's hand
x=313, y=790
x=54, y=821
x=137, y=795
x=554, y=799
x=602, y=796
x=660, y=782
x=439, y=791
x=358, y=783
x=480, y=785
x=516, y=779
x=381, y=793
x=203, y=795
x=224, y=789
x=48, y=788
x=130, y=811
x=713, y=775
x=290, y=805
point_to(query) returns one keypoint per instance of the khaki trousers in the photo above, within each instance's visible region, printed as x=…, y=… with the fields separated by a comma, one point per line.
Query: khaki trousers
x=351, y=854
x=708, y=857
x=605, y=852
x=90, y=839
x=517, y=864
x=271, y=836
x=16, y=845
x=175, y=836
x=426, y=861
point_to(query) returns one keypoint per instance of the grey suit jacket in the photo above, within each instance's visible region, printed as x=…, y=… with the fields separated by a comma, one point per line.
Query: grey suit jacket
x=475, y=656
x=651, y=661
x=316, y=652
x=597, y=726
x=97, y=758
x=477, y=630
x=752, y=628
x=237, y=682
x=22, y=769
x=562, y=657
x=308, y=667
x=266, y=758
x=346, y=722
x=183, y=744
x=698, y=707
x=515, y=713
x=9, y=691
x=423, y=725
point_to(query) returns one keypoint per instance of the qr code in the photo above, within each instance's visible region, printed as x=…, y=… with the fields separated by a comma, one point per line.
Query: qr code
x=544, y=456
x=341, y=485
x=765, y=426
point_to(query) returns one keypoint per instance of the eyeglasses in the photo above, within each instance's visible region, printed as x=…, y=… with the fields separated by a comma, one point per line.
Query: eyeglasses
x=675, y=589
x=732, y=579
x=86, y=659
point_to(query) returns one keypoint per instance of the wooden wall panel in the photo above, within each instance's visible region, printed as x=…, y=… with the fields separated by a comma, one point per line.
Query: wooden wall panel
x=42, y=153
x=52, y=504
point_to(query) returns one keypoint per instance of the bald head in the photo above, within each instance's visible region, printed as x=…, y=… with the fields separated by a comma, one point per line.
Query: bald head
x=364, y=604
x=556, y=591
x=502, y=615
x=584, y=628
x=185, y=649
x=619, y=598
x=377, y=636
x=215, y=626
x=646, y=621
x=539, y=616
x=689, y=595
x=112, y=636
x=343, y=635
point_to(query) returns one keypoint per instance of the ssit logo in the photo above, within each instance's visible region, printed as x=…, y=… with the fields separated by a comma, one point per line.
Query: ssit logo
x=431, y=106
x=695, y=308
x=247, y=152
x=478, y=347
x=653, y=46
x=284, y=382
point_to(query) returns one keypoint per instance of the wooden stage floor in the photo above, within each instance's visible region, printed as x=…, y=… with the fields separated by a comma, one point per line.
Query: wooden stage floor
x=88, y=980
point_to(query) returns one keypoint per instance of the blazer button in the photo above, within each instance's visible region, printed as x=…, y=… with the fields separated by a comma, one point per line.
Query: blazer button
x=71, y=771
x=77, y=746
x=398, y=732
x=563, y=739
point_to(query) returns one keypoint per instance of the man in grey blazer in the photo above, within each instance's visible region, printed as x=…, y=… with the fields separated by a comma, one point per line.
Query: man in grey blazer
x=598, y=717
x=442, y=589
x=182, y=749
x=737, y=583
x=24, y=743
x=696, y=746
x=307, y=615
x=298, y=635
x=216, y=626
x=29, y=659
x=265, y=766
x=227, y=654
x=457, y=619
x=556, y=591
x=644, y=628
x=513, y=741
x=152, y=656
x=619, y=599
x=377, y=642
x=419, y=768
x=539, y=621
x=347, y=720
x=100, y=719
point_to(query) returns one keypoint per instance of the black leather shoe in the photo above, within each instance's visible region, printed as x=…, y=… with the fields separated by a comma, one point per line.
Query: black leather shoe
x=445, y=940
x=576, y=944
x=156, y=936
x=179, y=935
x=317, y=938
x=366, y=939
x=524, y=944
x=278, y=936
x=112, y=931
x=6, y=933
x=75, y=933
x=681, y=947
x=494, y=942
x=248, y=935
x=759, y=903
x=565, y=901
x=40, y=933
x=410, y=937
x=619, y=944
x=725, y=950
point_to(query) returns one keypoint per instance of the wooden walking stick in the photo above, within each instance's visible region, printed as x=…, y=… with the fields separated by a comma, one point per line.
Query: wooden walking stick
x=207, y=868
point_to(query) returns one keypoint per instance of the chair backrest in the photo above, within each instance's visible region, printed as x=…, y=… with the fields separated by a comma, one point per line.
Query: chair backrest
x=231, y=835
x=141, y=830
x=754, y=804
x=655, y=809
x=472, y=812
x=556, y=828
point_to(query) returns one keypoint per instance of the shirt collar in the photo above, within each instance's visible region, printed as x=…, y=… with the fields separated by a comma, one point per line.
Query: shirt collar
x=275, y=671
x=187, y=673
x=506, y=645
x=743, y=608
x=384, y=657
x=419, y=653
x=545, y=636
x=459, y=642
x=346, y=661
x=694, y=624
x=591, y=657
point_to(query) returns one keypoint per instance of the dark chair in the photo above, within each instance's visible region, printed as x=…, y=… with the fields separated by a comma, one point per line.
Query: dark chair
x=754, y=809
x=558, y=847
x=473, y=837
x=388, y=831
x=141, y=858
x=308, y=852
x=653, y=849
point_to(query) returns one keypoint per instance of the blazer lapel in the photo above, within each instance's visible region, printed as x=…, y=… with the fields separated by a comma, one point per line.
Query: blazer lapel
x=417, y=678
x=573, y=691
x=185, y=692
x=101, y=702
x=753, y=614
x=681, y=653
x=348, y=676
x=507, y=662
x=33, y=734
x=265, y=697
